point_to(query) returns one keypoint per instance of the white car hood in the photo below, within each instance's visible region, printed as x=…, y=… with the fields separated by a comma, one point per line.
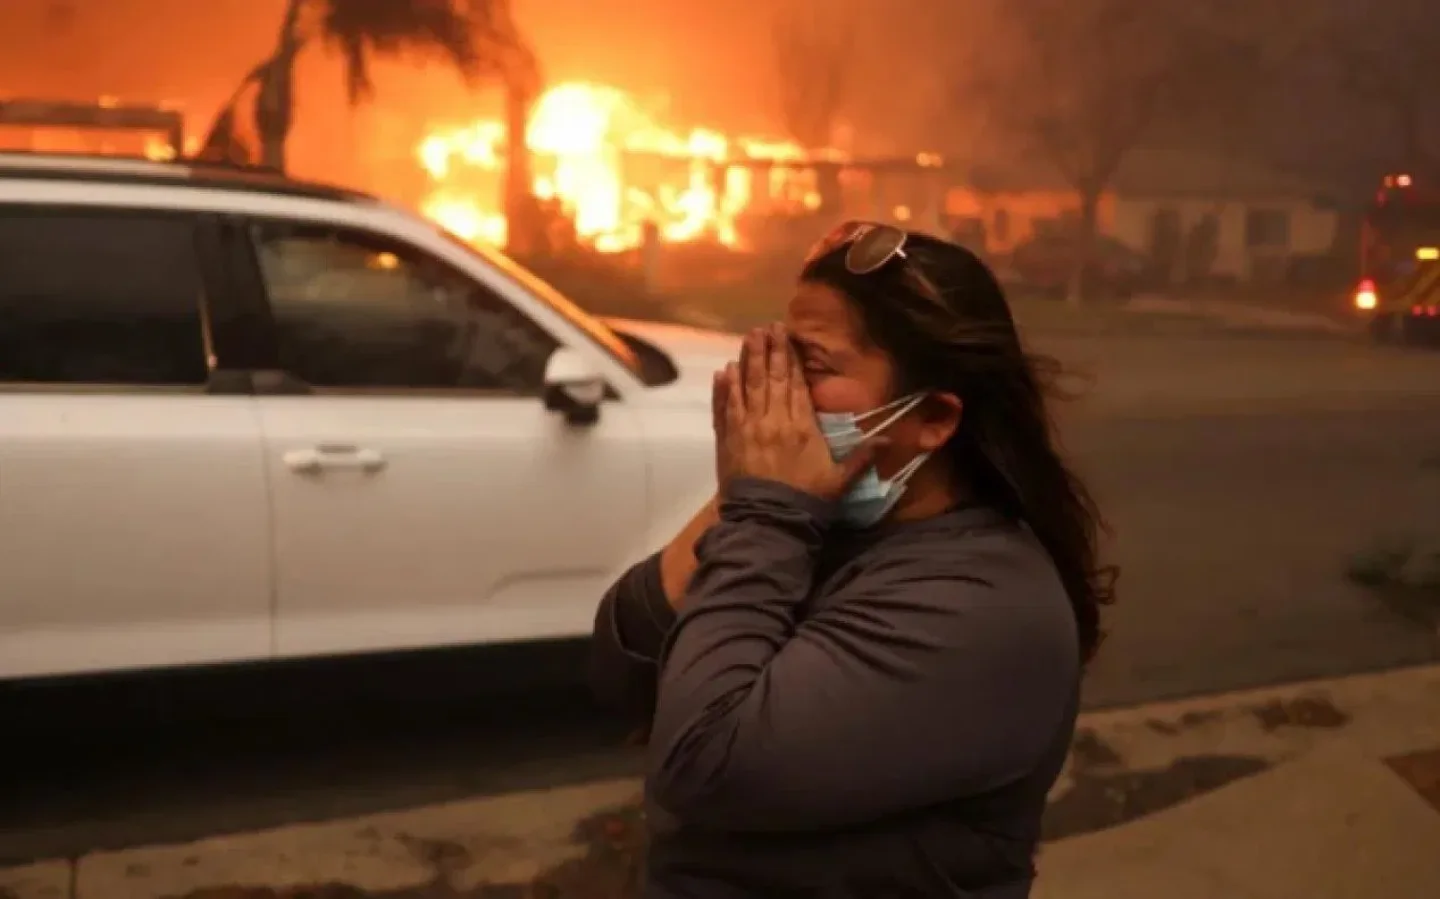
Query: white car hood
x=696, y=352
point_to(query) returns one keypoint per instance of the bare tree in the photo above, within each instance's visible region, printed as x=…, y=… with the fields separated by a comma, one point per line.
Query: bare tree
x=814, y=55
x=1386, y=59
x=1080, y=83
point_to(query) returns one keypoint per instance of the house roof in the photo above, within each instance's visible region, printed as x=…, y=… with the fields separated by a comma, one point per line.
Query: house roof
x=1156, y=172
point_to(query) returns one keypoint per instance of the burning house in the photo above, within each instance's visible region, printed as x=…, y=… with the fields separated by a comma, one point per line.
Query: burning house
x=612, y=169
x=607, y=172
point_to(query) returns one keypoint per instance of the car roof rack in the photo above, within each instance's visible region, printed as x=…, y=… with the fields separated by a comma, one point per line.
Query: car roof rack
x=106, y=114
x=186, y=172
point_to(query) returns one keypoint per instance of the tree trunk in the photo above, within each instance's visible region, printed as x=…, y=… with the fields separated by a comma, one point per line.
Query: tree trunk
x=1088, y=227
x=827, y=185
x=522, y=213
x=1417, y=158
x=275, y=103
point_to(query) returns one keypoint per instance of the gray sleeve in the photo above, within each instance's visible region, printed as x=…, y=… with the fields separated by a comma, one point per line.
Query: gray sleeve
x=630, y=627
x=908, y=689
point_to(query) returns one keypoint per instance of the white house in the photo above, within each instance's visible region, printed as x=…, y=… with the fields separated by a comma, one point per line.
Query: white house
x=1197, y=215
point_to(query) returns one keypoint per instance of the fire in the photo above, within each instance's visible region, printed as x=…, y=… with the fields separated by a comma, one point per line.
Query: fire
x=612, y=167
x=158, y=149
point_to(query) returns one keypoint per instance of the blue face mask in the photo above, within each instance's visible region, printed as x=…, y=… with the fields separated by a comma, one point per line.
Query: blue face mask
x=870, y=498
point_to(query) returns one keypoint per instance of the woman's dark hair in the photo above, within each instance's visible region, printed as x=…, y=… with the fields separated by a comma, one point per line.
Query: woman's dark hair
x=966, y=344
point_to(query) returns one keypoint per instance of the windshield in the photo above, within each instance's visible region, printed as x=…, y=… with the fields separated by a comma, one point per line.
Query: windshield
x=593, y=327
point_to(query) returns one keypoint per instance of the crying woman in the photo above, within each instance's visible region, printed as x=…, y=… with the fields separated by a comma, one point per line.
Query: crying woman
x=860, y=664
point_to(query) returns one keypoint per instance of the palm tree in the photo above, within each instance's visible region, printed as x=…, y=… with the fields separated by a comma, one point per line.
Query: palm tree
x=479, y=37
x=473, y=36
x=507, y=55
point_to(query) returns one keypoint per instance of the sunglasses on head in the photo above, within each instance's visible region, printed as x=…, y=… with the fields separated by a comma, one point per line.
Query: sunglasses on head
x=871, y=246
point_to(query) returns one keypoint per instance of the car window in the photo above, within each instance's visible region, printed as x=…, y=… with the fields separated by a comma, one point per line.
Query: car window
x=94, y=297
x=541, y=290
x=361, y=311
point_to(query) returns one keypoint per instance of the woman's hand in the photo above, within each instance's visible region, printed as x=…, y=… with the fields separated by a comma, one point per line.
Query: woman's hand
x=765, y=426
x=719, y=404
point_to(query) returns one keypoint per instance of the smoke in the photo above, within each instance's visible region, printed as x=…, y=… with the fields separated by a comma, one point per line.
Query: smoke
x=713, y=60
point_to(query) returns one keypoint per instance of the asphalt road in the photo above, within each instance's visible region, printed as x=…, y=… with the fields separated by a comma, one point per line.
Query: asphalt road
x=1240, y=477
x=1233, y=533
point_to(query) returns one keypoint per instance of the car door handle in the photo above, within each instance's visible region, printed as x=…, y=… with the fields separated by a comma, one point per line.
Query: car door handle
x=319, y=459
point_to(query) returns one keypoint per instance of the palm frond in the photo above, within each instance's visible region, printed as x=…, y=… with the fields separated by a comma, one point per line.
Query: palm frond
x=223, y=140
x=360, y=29
x=224, y=143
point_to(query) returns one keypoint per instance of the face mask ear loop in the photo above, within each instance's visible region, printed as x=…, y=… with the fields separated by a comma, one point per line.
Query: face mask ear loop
x=908, y=471
x=905, y=404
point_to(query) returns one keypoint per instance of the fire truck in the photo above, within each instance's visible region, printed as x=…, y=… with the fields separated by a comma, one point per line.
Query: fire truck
x=67, y=127
x=1399, y=288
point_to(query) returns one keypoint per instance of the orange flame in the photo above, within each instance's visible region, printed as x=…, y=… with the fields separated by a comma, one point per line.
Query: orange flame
x=158, y=149
x=611, y=167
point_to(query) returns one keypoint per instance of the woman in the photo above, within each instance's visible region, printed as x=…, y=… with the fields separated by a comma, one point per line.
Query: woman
x=860, y=664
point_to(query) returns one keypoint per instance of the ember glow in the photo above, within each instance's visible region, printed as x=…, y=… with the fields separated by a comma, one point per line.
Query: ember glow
x=159, y=149
x=611, y=166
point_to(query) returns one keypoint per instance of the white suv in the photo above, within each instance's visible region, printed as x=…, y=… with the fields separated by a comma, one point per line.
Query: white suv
x=244, y=418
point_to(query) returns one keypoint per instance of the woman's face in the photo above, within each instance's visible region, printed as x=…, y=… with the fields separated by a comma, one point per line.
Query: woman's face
x=844, y=372
x=847, y=373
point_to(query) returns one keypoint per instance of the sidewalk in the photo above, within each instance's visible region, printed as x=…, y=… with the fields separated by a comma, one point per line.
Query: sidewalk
x=1344, y=801
x=1312, y=790
x=1336, y=824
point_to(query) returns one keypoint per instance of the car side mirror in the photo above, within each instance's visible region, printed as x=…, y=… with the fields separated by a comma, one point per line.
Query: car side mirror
x=573, y=387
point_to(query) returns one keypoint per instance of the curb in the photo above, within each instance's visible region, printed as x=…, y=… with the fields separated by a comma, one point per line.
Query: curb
x=1367, y=682
x=1127, y=763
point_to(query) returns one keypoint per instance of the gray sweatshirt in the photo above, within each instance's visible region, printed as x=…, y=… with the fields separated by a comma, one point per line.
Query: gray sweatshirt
x=839, y=713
